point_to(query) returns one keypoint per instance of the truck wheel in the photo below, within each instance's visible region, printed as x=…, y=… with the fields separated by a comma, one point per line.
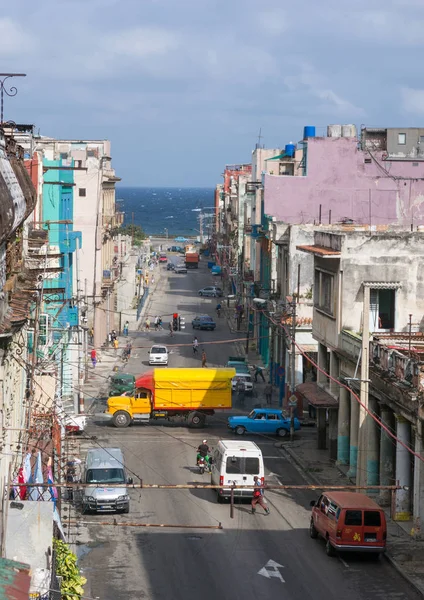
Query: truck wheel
x=121, y=418
x=312, y=531
x=282, y=432
x=239, y=430
x=329, y=548
x=196, y=420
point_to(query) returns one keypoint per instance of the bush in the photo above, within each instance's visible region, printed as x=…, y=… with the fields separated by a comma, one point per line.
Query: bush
x=67, y=568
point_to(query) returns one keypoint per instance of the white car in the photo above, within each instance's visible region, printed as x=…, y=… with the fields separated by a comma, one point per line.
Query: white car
x=246, y=379
x=158, y=355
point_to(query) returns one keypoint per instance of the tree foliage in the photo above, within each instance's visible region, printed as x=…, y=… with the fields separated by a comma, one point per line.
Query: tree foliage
x=135, y=231
x=67, y=568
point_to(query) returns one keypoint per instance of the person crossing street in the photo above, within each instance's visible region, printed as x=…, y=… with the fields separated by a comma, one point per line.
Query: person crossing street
x=258, y=496
x=195, y=345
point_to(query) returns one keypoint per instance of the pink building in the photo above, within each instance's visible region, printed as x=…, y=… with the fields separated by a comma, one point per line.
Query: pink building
x=342, y=182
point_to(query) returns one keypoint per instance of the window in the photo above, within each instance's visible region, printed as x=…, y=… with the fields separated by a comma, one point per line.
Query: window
x=234, y=465
x=272, y=417
x=333, y=510
x=382, y=309
x=324, y=291
x=353, y=517
x=78, y=164
x=82, y=192
x=105, y=476
x=401, y=139
x=367, y=161
x=421, y=139
x=252, y=466
x=260, y=416
x=415, y=164
x=372, y=518
x=63, y=155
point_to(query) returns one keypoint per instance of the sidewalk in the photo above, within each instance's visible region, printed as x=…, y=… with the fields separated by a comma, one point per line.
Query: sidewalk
x=404, y=552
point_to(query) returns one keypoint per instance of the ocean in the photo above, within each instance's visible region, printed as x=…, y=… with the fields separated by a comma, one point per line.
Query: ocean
x=157, y=209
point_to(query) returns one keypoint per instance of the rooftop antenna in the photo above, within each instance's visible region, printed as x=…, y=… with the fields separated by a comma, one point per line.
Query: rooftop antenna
x=260, y=137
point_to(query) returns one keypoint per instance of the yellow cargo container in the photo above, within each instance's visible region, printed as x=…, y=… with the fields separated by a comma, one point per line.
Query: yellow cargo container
x=192, y=393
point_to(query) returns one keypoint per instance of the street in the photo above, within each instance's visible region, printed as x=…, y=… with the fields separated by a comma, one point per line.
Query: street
x=253, y=556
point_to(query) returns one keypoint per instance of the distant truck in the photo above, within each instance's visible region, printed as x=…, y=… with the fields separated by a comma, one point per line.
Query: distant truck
x=192, y=259
x=165, y=393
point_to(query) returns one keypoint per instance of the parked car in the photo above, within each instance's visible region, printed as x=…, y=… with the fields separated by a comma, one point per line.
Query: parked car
x=170, y=267
x=212, y=291
x=263, y=420
x=163, y=258
x=349, y=522
x=158, y=355
x=239, y=364
x=203, y=322
x=180, y=269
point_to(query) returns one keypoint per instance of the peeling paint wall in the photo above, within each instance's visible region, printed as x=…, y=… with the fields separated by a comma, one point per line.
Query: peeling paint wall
x=351, y=184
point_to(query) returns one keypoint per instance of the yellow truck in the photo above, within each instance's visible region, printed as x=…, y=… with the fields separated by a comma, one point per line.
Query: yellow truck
x=166, y=393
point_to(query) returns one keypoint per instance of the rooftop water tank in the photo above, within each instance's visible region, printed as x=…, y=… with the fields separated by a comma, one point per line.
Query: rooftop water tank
x=334, y=131
x=290, y=149
x=348, y=131
x=308, y=131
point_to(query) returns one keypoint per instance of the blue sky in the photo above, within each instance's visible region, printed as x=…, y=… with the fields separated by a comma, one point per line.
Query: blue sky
x=181, y=87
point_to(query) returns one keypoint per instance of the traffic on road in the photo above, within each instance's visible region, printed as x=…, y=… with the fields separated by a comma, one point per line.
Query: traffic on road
x=181, y=415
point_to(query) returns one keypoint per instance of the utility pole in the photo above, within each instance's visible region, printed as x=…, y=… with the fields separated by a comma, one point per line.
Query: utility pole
x=248, y=330
x=86, y=332
x=81, y=406
x=362, y=466
x=293, y=398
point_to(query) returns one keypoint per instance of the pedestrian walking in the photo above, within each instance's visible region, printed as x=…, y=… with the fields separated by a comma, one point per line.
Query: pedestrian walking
x=195, y=345
x=147, y=324
x=258, y=496
x=126, y=328
x=259, y=372
x=116, y=345
x=94, y=357
x=268, y=393
x=171, y=329
x=156, y=323
x=91, y=334
x=241, y=391
x=204, y=365
x=114, y=335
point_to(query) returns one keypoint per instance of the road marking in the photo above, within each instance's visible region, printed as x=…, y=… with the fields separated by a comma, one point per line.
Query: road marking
x=271, y=570
x=344, y=562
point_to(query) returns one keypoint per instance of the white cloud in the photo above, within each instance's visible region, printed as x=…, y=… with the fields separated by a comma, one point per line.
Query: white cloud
x=13, y=40
x=273, y=22
x=142, y=42
x=412, y=100
x=307, y=81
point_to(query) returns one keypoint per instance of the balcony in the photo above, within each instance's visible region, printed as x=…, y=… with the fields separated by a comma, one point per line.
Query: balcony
x=118, y=218
x=351, y=343
x=400, y=357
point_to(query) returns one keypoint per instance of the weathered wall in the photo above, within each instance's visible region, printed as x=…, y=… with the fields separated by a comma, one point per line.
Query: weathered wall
x=339, y=180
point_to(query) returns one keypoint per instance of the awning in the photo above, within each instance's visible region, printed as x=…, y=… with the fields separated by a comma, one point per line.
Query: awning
x=279, y=156
x=320, y=251
x=317, y=396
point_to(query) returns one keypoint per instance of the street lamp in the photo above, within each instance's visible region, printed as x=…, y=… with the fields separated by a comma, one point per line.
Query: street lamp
x=166, y=233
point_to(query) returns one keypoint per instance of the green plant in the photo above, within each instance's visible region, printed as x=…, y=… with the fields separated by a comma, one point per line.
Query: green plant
x=308, y=294
x=67, y=568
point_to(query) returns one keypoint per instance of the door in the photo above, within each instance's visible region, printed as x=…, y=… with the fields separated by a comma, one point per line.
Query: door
x=259, y=423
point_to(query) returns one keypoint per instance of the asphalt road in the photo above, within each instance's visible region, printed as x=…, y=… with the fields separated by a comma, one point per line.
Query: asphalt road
x=241, y=559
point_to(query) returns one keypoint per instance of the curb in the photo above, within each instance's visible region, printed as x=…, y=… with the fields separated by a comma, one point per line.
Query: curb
x=313, y=480
x=402, y=573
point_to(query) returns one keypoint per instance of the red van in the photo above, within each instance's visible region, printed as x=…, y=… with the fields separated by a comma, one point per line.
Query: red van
x=349, y=522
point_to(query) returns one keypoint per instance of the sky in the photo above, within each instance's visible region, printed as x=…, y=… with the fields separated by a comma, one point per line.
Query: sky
x=182, y=87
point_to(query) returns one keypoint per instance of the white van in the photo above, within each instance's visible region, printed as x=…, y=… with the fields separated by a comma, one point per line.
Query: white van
x=236, y=462
x=105, y=466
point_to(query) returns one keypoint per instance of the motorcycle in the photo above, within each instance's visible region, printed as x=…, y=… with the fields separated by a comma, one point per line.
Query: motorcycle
x=204, y=463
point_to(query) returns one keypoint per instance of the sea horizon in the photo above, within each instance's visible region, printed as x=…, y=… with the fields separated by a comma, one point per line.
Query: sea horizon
x=165, y=210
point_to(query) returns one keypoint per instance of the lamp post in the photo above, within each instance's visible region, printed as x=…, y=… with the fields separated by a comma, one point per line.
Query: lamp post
x=9, y=91
x=166, y=233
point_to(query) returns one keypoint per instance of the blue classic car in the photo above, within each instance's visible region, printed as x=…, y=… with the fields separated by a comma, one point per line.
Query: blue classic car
x=263, y=420
x=203, y=322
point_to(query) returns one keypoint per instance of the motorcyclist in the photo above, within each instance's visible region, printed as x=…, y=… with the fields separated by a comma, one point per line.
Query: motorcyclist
x=203, y=452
